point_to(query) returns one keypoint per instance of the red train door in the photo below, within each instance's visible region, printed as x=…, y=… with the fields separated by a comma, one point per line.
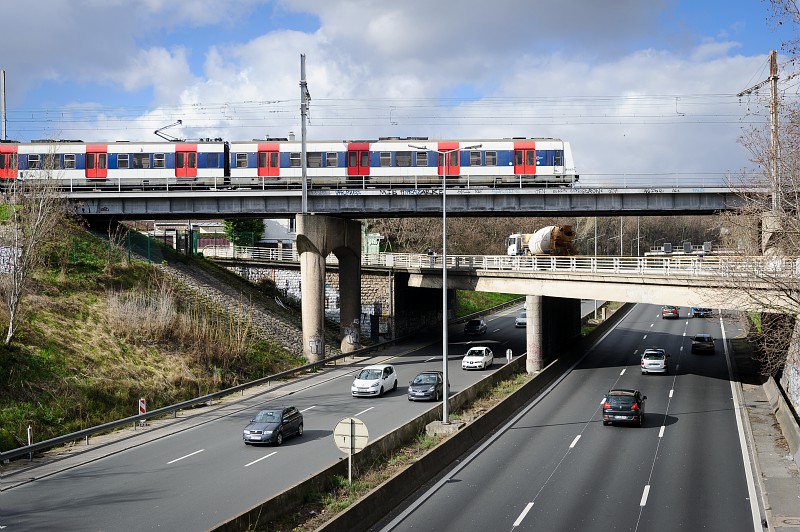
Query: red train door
x=525, y=157
x=453, y=154
x=96, y=162
x=269, y=161
x=9, y=167
x=186, y=160
x=358, y=158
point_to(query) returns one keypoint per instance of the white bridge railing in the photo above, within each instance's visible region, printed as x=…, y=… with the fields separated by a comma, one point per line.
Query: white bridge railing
x=680, y=266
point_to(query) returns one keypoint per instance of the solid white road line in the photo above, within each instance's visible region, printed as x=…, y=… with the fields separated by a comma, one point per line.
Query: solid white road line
x=367, y=410
x=262, y=458
x=644, y=495
x=661, y=432
x=671, y=392
x=309, y=408
x=187, y=456
x=621, y=373
x=523, y=514
x=572, y=445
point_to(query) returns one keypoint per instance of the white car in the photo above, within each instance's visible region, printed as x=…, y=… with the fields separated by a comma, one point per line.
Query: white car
x=654, y=361
x=374, y=380
x=521, y=320
x=477, y=358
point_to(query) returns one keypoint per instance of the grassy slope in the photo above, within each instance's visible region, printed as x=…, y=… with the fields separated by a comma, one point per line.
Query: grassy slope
x=68, y=368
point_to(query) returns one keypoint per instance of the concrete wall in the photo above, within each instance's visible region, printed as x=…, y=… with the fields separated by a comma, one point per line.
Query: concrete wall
x=389, y=308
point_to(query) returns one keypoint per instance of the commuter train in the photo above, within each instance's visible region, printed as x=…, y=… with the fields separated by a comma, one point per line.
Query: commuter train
x=414, y=162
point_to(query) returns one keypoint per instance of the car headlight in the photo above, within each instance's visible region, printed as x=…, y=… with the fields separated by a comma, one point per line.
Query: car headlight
x=246, y=432
x=267, y=432
x=374, y=385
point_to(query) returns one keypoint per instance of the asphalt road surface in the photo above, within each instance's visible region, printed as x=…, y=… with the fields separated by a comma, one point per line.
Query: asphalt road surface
x=197, y=478
x=556, y=467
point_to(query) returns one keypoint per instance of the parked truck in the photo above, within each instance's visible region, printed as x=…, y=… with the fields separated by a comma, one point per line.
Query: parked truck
x=550, y=240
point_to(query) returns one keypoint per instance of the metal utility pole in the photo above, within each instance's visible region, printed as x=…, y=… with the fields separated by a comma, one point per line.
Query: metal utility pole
x=773, y=112
x=3, y=103
x=305, y=99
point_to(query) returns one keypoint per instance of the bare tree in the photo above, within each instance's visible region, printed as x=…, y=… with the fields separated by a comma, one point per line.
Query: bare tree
x=33, y=213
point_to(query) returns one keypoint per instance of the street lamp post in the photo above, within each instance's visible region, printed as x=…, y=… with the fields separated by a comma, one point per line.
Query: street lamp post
x=445, y=167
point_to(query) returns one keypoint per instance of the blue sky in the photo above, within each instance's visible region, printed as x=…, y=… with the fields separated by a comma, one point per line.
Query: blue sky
x=636, y=87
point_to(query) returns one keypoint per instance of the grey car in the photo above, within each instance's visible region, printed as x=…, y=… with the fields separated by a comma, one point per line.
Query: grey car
x=272, y=425
x=426, y=386
x=475, y=326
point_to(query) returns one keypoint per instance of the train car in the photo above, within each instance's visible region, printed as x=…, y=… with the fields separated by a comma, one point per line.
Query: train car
x=413, y=162
x=410, y=162
x=117, y=165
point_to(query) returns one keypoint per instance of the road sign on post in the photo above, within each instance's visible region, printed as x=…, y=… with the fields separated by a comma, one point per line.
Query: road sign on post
x=142, y=410
x=350, y=435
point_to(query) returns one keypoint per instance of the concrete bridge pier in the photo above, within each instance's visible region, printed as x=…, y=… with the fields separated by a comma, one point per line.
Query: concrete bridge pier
x=317, y=237
x=533, y=334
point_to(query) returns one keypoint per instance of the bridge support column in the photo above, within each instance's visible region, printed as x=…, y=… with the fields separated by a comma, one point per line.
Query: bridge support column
x=317, y=237
x=533, y=334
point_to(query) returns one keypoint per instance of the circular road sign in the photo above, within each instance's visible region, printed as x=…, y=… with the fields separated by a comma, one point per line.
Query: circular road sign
x=350, y=435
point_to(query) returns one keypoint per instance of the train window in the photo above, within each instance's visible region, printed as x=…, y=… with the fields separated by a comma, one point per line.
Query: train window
x=332, y=159
x=314, y=159
x=241, y=160
x=364, y=159
x=123, y=161
x=402, y=158
x=530, y=157
x=474, y=158
x=185, y=160
x=352, y=159
x=518, y=157
x=3, y=157
x=558, y=159
x=159, y=161
x=51, y=162
x=141, y=161
x=386, y=158
x=491, y=158
x=69, y=161
x=273, y=159
x=422, y=158
x=262, y=159
x=34, y=162
x=294, y=159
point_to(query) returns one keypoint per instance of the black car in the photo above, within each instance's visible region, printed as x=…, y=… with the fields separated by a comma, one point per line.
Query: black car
x=426, y=386
x=623, y=406
x=702, y=342
x=700, y=312
x=475, y=326
x=272, y=425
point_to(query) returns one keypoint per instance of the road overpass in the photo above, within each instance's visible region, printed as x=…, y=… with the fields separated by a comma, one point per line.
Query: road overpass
x=554, y=285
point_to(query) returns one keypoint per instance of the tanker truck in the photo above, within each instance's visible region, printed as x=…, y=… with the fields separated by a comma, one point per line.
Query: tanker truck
x=550, y=240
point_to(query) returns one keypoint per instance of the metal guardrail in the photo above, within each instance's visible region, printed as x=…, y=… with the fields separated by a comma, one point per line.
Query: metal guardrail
x=208, y=398
x=682, y=265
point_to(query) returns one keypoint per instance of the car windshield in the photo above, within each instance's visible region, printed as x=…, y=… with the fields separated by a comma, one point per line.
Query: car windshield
x=523, y=315
x=473, y=323
x=425, y=379
x=268, y=416
x=702, y=338
x=369, y=374
x=654, y=356
x=474, y=353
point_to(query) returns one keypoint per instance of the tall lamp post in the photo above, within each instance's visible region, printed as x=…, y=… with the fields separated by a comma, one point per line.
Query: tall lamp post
x=445, y=154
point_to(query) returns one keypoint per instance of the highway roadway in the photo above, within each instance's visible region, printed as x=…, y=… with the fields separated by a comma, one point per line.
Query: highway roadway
x=556, y=467
x=197, y=478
